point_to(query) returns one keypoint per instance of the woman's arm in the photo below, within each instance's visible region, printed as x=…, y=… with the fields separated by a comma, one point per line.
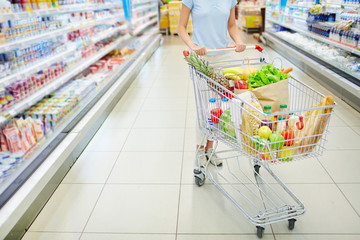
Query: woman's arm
x=233, y=31
x=183, y=21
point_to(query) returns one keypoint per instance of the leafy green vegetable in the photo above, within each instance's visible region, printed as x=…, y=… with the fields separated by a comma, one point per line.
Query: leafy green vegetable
x=268, y=74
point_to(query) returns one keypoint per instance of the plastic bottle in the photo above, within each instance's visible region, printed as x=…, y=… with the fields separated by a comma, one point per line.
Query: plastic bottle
x=281, y=124
x=283, y=108
x=267, y=110
x=292, y=120
x=211, y=106
x=224, y=104
x=231, y=86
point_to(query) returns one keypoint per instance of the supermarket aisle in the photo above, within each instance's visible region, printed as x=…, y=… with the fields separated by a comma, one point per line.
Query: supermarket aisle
x=134, y=181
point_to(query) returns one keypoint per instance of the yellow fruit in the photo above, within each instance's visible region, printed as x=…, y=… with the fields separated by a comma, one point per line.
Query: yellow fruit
x=286, y=154
x=264, y=132
x=248, y=71
x=232, y=77
x=233, y=71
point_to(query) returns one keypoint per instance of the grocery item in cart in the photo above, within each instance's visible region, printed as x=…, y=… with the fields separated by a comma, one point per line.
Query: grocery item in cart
x=251, y=120
x=271, y=95
x=226, y=125
x=315, y=122
x=203, y=66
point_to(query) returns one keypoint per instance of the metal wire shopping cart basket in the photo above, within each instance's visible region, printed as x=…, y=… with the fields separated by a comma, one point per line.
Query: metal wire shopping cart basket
x=258, y=198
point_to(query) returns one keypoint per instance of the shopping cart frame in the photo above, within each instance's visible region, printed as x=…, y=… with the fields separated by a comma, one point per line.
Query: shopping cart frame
x=272, y=212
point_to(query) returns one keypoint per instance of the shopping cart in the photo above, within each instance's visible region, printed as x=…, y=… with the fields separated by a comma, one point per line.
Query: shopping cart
x=255, y=195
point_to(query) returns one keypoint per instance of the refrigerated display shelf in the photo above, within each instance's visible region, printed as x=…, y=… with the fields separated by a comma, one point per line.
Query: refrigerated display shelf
x=343, y=6
x=149, y=15
x=144, y=2
x=49, y=61
x=37, y=66
x=55, y=84
x=333, y=64
x=299, y=6
x=26, y=41
x=345, y=87
x=295, y=16
x=47, y=12
x=316, y=36
x=140, y=8
x=144, y=26
x=53, y=140
x=108, y=33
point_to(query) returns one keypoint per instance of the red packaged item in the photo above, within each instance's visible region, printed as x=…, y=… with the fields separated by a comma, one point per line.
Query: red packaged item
x=30, y=131
x=13, y=139
x=3, y=143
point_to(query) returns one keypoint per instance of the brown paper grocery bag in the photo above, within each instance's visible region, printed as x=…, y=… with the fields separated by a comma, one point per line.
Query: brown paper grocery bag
x=273, y=94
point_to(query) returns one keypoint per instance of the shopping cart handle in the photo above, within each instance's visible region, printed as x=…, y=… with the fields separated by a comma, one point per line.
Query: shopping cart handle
x=227, y=49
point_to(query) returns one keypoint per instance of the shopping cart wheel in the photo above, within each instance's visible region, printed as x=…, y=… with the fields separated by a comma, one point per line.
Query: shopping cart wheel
x=260, y=231
x=257, y=168
x=292, y=223
x=199, y=181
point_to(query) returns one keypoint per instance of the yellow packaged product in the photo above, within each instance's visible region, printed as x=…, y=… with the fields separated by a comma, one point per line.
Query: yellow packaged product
x=251, y=119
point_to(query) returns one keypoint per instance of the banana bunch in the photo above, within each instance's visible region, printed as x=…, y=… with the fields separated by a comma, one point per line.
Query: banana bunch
x=233, y=73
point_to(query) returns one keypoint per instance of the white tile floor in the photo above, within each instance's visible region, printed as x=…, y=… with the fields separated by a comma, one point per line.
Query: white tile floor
x=134, y=181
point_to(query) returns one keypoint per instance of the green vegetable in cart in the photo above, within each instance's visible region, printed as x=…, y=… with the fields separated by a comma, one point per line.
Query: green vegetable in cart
x=226, y=125
x=259, y=142
x=268, y=74
x=276, y=140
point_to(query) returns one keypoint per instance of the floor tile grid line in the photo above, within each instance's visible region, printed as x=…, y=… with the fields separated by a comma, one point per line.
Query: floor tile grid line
x=339, y=188
x=182, y=165
x=357, y=132
x=37, y=215
x=351, y=128
x=341, y=117
x=97, y=200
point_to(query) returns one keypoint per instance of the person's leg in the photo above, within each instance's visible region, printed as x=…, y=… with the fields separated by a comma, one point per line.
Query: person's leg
x=200, y=148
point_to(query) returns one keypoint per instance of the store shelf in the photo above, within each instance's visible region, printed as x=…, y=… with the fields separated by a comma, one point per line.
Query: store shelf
x=75, y=26
x=343, y=6
x=297, y=17
x=55, y=11
x=299, y=6
x=329, y=62
x=108, y=33
x=62, y=148
x=149, y=15
x=143, y=27
x=55, y=84
x=145, y=2
x=37, y=66
x=140, y=8
x=346, y=88
x=49, y=61
x=316, y=36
